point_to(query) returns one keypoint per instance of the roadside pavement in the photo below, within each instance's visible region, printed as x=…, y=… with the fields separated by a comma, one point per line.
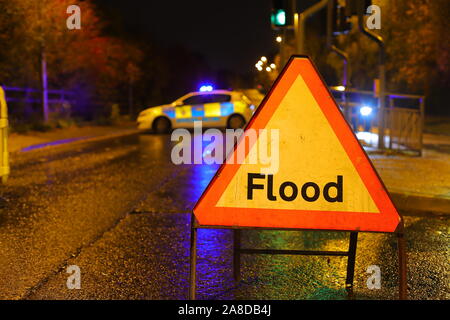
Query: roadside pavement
x=36, y=140
x=419, y=184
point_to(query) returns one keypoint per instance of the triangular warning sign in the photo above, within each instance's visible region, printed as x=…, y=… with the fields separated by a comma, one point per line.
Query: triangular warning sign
x=323, y=178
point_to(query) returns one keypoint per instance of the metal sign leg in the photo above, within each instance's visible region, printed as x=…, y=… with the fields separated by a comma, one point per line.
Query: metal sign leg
x=237, y=255
x=351, y=256
x=351, y=263
x=193, y=261
x=402, y=288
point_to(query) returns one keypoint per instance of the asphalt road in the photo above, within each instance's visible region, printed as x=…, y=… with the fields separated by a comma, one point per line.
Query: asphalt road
x=120, y=210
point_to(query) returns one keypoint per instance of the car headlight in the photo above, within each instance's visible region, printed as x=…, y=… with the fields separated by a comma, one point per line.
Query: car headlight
x=365, y=111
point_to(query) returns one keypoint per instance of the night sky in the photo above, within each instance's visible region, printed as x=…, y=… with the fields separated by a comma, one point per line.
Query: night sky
x=230, y=34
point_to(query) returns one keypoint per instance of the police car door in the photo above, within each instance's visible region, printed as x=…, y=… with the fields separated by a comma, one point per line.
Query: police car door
x=217, y=109
x=191, y=110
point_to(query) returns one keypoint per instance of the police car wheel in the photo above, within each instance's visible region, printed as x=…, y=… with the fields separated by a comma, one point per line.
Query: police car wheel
x=236, y=122
x=161, y=125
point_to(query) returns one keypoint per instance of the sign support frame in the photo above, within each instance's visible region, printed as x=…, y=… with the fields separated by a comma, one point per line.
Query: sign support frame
x=350, y=254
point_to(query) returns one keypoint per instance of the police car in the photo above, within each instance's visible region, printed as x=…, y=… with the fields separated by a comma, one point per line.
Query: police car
x=215, y=108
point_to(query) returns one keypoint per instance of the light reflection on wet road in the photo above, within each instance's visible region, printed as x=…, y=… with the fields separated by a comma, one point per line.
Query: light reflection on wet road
x=120, y=210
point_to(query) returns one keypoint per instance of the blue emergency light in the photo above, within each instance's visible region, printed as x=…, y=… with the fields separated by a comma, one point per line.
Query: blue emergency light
x=206, y=88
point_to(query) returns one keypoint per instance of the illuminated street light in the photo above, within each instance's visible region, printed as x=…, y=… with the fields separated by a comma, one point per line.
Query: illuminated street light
x=340, y=88
x=279, y=39
x=263, y=63
x=365, y=111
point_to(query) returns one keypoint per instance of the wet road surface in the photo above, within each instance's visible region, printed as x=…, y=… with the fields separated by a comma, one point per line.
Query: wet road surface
x=120, y=210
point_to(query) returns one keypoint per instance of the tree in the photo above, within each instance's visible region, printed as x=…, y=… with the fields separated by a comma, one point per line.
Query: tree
x=416, y=38
x=82, y=60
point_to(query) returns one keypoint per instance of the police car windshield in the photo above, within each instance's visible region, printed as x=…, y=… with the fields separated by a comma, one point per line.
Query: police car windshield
x=207, y=98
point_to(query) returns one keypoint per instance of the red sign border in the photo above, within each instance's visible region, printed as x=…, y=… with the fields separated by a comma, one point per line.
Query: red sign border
x=387, y=220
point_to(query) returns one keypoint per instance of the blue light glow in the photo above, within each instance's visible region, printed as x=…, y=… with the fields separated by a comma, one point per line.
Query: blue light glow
x=206, y=88
x=365, y=111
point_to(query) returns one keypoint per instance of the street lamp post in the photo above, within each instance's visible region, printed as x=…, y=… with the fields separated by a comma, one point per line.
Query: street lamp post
x=300, y=22
x=280, y=41
x=43, y=65
x=381, y=72
x=342, y=54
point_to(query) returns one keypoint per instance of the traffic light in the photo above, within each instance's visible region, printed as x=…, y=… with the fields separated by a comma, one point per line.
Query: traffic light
x=340, y=20
x=281, y=15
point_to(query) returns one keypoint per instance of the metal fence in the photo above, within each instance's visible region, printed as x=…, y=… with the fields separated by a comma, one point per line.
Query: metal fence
x=30, y=95
x=403, y=118
x=26, y=102
x=405, y=122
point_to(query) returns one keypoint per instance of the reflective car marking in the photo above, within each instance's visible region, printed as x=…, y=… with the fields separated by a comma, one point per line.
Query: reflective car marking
x=183, y=112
